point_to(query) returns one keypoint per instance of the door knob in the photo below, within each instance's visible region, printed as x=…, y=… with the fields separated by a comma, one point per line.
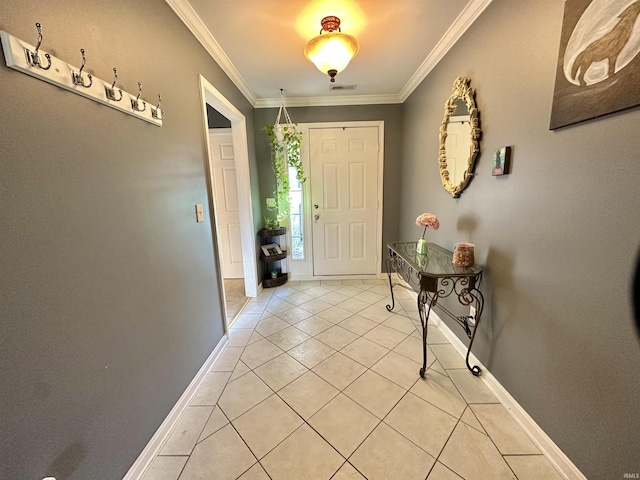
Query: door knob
x=316, y=217
x=315, y=205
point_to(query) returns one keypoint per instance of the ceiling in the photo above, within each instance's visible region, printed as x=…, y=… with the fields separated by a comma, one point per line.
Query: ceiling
x=259, y=44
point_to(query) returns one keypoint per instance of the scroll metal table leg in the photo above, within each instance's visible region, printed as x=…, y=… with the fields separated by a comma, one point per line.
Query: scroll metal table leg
x=423, y=298
x=387, y=261
x=479, y=301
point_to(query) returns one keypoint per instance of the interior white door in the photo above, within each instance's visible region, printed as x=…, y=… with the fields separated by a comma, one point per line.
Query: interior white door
x=344, y=199
x=223, y=171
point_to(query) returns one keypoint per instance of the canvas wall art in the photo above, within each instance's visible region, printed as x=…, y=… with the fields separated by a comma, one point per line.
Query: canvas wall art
x=501, y=161
x=598, y=68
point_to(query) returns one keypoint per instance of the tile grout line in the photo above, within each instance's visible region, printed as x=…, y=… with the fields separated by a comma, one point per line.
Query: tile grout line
x=340, y=391
x=304, y=420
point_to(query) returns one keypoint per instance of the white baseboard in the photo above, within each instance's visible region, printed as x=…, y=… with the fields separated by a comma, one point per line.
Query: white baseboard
x=545, y=444
x=152, y=449
x=551, y=451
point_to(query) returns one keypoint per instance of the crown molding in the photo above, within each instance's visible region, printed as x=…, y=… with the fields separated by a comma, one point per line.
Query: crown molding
x=190, y=18
x=461, y=24
x=329, y=101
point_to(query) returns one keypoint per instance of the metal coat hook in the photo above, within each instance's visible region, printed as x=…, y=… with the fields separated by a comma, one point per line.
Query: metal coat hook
x=76, y=77
x=111, y=91
x=156, y=112
x=135, y=102
x=33, y=58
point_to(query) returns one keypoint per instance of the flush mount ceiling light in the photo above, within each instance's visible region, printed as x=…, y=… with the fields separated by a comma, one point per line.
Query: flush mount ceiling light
x=331, y=51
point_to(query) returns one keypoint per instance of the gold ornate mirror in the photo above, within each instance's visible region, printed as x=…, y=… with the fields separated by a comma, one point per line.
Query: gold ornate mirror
x=459, y=138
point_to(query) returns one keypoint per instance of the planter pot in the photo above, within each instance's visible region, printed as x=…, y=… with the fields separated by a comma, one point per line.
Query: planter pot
x=273, y=232
x=281, y=128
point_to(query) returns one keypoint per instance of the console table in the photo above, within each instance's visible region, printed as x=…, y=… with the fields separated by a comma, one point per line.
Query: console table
x=434, y=276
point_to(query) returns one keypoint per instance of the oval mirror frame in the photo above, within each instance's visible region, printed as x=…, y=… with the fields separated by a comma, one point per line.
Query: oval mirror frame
x=461, y=90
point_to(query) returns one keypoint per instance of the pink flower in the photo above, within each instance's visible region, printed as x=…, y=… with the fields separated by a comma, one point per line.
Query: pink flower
x=428, y=220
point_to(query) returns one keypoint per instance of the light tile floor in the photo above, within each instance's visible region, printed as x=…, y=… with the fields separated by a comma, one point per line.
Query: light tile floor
x=235, y=298
x=319, y=381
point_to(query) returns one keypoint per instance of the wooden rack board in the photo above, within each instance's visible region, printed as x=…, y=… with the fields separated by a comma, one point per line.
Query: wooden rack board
x=61, y=74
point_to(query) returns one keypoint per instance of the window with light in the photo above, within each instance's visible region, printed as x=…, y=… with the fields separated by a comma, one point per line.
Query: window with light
x=295, y=216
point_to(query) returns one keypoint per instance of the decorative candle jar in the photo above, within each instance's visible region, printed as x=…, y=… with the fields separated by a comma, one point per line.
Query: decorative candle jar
x=463, y=254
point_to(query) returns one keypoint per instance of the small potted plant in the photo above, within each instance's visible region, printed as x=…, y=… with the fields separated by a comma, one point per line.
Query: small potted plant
x=271, y=228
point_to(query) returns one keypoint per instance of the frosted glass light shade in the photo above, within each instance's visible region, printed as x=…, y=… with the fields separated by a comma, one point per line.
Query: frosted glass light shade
x=331, y=52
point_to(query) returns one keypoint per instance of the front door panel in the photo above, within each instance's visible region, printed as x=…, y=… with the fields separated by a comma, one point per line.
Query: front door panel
x=344, y=184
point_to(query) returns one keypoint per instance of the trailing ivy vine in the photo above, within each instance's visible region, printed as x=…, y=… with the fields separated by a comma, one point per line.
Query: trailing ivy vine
x=285, y=152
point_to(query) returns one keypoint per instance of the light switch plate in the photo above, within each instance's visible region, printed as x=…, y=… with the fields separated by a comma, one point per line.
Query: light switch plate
x=199, y=213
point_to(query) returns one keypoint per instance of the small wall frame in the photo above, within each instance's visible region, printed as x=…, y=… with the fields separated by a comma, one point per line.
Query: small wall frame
x=501, y=161
x=270, y=249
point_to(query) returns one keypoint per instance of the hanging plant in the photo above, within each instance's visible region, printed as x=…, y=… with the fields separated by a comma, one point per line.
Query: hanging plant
x=284, y=140
x=285, y=153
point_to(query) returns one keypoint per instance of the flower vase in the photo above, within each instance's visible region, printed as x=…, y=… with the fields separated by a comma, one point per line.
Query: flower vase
x=421, y=247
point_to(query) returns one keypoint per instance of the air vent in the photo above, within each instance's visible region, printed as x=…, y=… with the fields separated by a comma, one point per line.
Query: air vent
x=342, y=87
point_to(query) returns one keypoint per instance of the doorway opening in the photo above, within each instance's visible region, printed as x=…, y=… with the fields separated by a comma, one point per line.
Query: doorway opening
x=242, y=227
x=227, y=217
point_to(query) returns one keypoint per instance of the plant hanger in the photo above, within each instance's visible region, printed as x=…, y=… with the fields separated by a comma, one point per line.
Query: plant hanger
x=284, y=140
x=282, y=110
x=281, y=128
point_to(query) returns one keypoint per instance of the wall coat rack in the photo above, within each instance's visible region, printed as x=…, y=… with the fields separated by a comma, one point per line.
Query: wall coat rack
x=28, y=59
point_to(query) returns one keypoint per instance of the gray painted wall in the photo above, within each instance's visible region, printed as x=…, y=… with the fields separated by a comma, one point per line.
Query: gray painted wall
x=559, y=236
x=392, y=117
x=109, y=299
x=108, y=296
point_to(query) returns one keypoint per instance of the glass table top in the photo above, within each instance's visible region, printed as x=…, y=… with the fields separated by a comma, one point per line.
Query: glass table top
x=437, y=262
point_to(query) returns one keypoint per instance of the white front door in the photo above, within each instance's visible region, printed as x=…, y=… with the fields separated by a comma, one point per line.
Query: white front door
x=223, y=171
x=344, y=199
